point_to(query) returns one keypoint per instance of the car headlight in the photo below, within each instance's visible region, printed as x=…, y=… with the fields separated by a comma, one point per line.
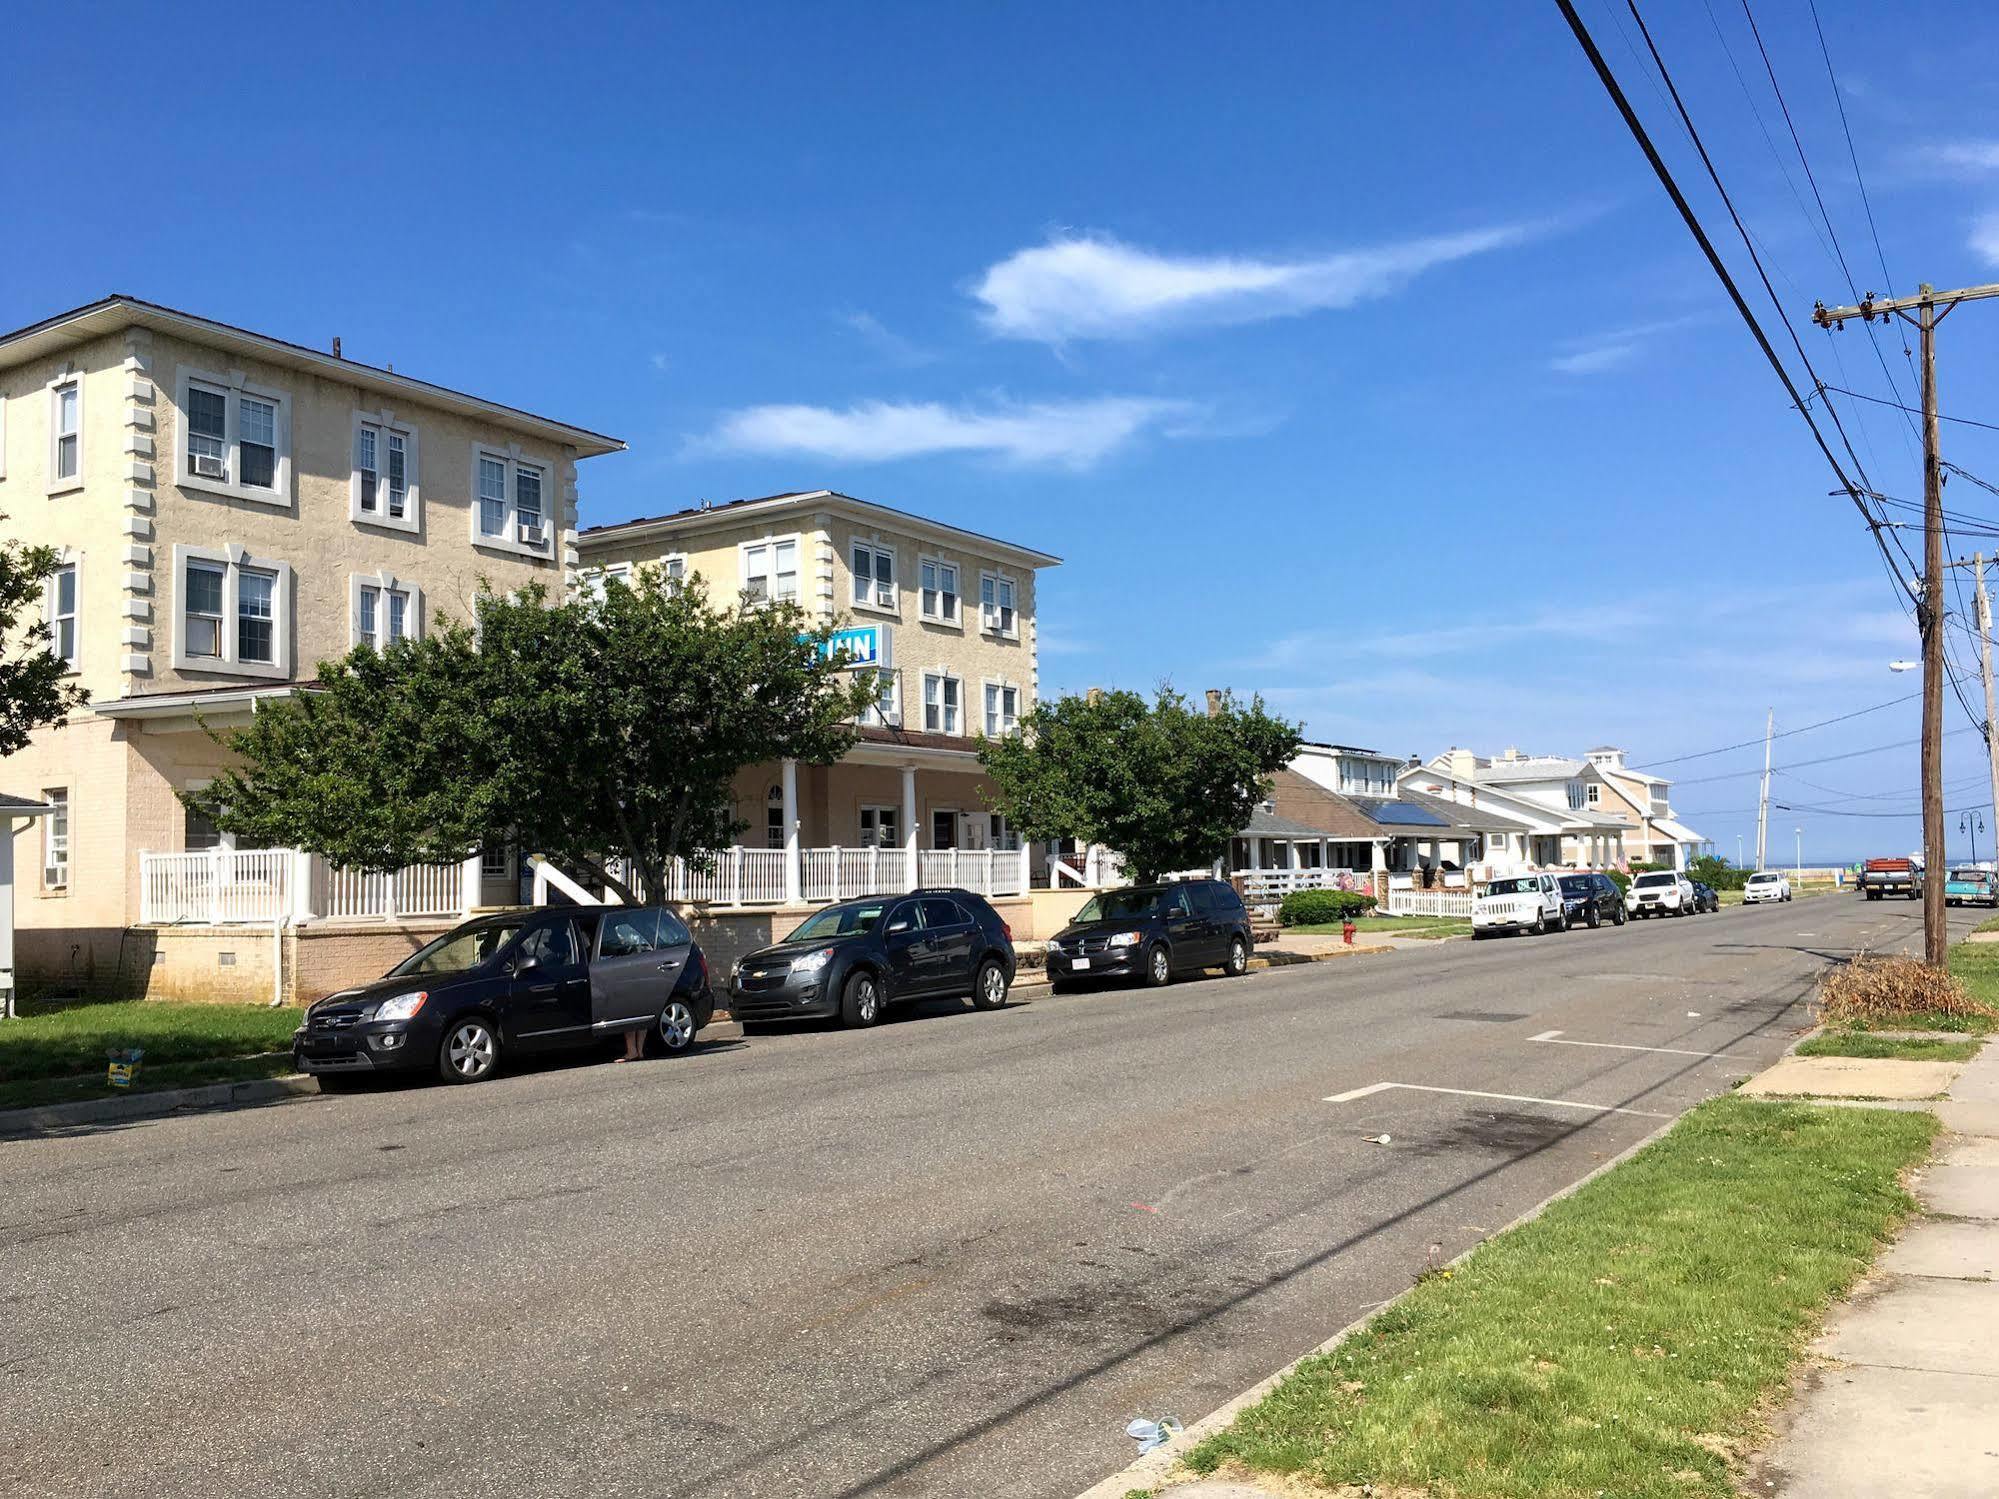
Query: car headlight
x=812, y=962
x=1126, y=939
x=402, y=1007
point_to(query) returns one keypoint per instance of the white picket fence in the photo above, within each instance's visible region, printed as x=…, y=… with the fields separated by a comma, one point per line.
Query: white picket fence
x=419, y=890
x=1430, y=903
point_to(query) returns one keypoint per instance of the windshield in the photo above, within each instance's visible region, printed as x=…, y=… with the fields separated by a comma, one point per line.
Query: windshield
x=1645, y=881
x=463, y=949
x=840, y=921
x=1575, y=884
x=1967, y=874
x=1764, y=879
x=1120, y=905
x=1526, y=885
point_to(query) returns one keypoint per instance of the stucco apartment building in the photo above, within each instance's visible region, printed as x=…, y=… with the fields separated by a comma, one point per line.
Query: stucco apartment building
x=230, y=509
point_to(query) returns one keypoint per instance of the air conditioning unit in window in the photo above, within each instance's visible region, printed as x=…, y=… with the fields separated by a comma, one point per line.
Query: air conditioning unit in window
x=530, y=534
x=207, y=466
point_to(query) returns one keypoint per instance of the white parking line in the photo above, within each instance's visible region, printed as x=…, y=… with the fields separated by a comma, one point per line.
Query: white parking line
x=1672, y=1051
x=1553, y=1103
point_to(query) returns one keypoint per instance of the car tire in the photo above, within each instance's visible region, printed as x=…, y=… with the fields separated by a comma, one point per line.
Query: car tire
x=1619, y=916
x=861, y=1000
x=1540, y=923
x=989, y=986
x=1238, y=959
x=673, y=1029
x=1594, y=919
x=1158, y=966
x=470, y=1050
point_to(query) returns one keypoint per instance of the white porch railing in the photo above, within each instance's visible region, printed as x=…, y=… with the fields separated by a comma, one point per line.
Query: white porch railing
x=739, y=877
x=1430, y=903
x=1268, y=886
x=419, y=890
x=215, y=886
x=1096, y=869
x=756, y=876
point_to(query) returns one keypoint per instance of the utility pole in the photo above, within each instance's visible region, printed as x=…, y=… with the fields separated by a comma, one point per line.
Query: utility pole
x=1763, y=802
x=1985, y=670
x=1929, y=307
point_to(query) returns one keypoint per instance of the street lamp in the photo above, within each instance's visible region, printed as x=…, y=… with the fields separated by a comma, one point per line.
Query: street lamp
x=1971, y=825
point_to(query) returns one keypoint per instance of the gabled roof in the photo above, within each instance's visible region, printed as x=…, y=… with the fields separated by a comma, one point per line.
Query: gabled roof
x=1299, y=798
x=1264, y=824
x=117, y=312
x=694, y=516
x=1457, y=814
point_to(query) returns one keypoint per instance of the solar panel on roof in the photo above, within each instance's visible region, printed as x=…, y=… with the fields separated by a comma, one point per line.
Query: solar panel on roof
x=1408, y=814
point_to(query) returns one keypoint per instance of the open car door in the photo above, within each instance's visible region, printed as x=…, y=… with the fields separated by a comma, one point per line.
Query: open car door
x=631, y=971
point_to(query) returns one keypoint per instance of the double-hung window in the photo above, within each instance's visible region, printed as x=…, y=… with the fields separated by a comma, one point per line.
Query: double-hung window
x=66, y=432
x=874, y=576
x=886, y=707
x=493, y=496
x=940, y=703
x=234, y=613
x=513, y=499
x=770, y=570
x=385, y=609
x=257, y=442
x=207, y=433
x=237, y=437
x=384, y=487
x=62, y=614
x=940, y=590
x=55, y=840
x=996, y=603
x=527, y=504
x=202, y=631
x=1002, y=709
x=256, y=617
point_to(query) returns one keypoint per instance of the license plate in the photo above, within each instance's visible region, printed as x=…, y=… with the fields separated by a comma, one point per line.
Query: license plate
x=1081, y=963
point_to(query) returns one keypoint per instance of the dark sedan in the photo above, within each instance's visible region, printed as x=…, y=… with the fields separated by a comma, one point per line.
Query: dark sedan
x=854, y=959
x=1151, y=932
x=521, y=982
x=1591, y=900
x=1706, y=898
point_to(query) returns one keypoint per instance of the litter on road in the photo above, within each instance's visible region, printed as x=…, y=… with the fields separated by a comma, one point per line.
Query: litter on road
x=1151, y=1434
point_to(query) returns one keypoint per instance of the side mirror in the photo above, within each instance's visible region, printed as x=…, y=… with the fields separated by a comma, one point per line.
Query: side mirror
x=901, y=924
x=525, y=966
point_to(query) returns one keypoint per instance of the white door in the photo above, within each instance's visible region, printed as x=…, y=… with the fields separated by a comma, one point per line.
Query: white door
x=974, y=829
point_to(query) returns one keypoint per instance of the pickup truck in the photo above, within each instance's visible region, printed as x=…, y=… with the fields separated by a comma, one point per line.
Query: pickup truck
x=1882, y=877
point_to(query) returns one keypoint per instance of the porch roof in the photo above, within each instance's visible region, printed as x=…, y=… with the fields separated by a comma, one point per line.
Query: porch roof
x=1264, y=824
x=1300, y=799
x=1459, y=816
x=22, y=806
x=185, y=704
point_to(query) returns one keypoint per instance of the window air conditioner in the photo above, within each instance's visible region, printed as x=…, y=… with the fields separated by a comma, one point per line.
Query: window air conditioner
x=207, y=466
x=529, y=534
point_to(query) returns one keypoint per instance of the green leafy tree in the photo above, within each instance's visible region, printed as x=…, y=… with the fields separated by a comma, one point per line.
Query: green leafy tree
x=596, y=731
x=1717, y=872
x=33, y=691
x=1162, y=783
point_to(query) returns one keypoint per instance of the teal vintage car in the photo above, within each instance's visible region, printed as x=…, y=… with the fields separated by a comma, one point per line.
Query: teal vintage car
x=1971, y=887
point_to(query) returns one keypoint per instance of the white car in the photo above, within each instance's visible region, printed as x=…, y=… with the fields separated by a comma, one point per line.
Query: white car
x=1519, y=903
x=1659, y=892
x=1766, y=884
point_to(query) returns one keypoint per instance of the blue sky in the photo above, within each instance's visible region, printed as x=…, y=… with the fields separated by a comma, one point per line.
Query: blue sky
x=1346, y=354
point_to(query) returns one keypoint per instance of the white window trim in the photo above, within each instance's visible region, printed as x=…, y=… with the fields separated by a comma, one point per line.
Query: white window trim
x=876, y=716
x=388, y=583
x=772, y=540
x=513, y=456
x=279, y=496
x=67, y=557
x=412, y=518
x=58, y=886
x=993, y=629
x=506, y=869
x=69, y=375
x=942, y=674
x=870, y=605
x=880, y=809
x=1019, y=699
x=956, y=622
x=233, y=558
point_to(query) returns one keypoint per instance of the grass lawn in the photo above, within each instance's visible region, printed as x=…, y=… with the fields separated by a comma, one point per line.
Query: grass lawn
x=1892, y=1048
x=57, y=1051
x=1619, y=1344
x=1402, y=926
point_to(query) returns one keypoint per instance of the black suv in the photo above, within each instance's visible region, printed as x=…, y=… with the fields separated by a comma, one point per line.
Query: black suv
x=1151, y=932
x=1591, y=900
x=858, y=957
x=523, y=981
x=1706, y=897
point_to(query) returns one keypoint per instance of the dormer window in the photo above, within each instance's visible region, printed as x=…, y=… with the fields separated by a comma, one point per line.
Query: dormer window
x=1575, y=796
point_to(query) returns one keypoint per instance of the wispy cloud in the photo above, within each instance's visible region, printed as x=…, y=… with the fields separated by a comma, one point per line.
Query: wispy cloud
x=1596, y=353
x=1052, y=434
x=890, y=345
x=1080, y=286
x=1967, y=158
x=659, y=362
x=1985, y=238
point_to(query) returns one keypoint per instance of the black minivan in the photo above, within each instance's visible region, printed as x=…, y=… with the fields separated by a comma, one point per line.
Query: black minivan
x=517, y=982
x=1151, y=932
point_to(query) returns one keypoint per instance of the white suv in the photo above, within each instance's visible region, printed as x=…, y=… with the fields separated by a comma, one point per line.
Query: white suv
x=1766, y=884
x=1519, y=903
x=1660, y=892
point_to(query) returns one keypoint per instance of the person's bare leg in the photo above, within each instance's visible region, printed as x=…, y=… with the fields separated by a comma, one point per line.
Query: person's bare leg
x=635, y=1046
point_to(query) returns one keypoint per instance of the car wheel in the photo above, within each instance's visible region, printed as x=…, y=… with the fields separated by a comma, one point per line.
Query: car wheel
x=1540, y=923
x=1594, y=919
x=469, y=1052
x=861, y=1001
x=989, y=988
x=1238, y=963
x=1158, y=966
x=674, y=1030
x=1619, y=916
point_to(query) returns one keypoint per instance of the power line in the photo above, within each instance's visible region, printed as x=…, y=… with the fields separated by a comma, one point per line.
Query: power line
x=1876, y=749
x=1942, y=416
x=1786, y=734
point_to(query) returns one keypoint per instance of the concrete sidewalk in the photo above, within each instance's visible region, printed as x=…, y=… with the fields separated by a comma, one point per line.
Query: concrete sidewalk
x=1905, y=1399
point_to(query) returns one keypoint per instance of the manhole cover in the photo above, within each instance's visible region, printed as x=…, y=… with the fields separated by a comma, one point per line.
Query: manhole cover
x=1491, y=1017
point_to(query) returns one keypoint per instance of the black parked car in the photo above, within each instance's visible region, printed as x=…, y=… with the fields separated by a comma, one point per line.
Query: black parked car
x=858, y=957
x=524, y=981
x=1151, y=932
x=1706, y=898
x=1591, y=900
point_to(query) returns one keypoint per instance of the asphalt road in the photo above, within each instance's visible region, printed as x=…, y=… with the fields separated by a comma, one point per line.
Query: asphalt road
x=953, y=1255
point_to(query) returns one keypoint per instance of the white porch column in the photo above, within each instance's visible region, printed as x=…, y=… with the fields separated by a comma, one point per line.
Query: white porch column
x=1256, y=853
x=1325, y=853
x=1378, y=862
x=301, y=877
x=909, y=826
x=1026, y=868
x=469, y=885
x=794, y=874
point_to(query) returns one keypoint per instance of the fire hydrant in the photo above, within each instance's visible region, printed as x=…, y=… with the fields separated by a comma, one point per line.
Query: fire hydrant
x=1347, y=930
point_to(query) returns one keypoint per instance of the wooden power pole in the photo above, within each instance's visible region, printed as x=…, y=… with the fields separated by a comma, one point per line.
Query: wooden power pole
x=1763, y=797
x=1925, y=310
x=1985, y=671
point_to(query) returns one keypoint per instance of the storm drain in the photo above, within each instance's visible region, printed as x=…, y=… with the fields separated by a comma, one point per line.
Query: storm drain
x=1490, y=1017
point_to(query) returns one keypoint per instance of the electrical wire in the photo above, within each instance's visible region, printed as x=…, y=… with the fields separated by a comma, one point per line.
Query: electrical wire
x=1783, y=734
x=1875, y=749
x=1916, y=410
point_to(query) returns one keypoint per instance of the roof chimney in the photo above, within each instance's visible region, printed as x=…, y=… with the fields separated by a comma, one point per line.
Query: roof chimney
x=336, y=346
x=1214, y=702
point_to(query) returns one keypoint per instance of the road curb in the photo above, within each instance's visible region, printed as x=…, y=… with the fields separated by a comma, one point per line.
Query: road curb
x=1149, y=1471
x=151, y=1105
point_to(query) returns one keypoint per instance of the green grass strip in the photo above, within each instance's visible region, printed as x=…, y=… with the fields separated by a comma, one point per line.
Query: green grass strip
x=1887, y=1048
x=34, y=1093
x=1621, y=1342
x=64, y=1040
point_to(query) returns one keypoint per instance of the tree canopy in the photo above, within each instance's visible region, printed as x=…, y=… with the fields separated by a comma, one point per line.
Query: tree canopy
x=33, y=691
x=600, y=731
x=1162, y=783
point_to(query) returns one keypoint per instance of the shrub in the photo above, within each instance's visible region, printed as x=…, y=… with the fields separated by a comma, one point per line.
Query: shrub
x=1874, y=988
x=1621, y=880
x=1322, y=907
x=1717, y=873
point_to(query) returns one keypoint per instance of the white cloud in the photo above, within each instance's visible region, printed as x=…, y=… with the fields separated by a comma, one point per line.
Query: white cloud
x=1985, y=238
x=1593, y=361
x=1967, y=157
x=1058, y=434
x=1596, y=353
x=886, y=342
x=1094, y=286
x=660, y=362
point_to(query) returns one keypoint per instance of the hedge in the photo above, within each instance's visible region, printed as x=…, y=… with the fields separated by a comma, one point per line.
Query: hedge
x=1322, y=907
